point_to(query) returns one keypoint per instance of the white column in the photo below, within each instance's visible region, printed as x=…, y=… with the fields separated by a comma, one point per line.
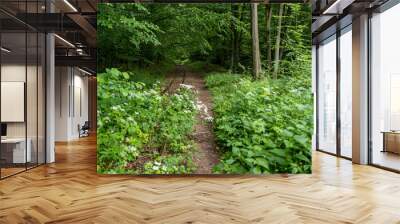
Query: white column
x=360, y=90
x=50, y=93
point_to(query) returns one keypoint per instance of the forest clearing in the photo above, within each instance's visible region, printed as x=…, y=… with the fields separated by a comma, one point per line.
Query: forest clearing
x=204, y=89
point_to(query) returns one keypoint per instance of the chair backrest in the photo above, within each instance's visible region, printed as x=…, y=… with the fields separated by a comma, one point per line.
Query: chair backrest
x=86, y=125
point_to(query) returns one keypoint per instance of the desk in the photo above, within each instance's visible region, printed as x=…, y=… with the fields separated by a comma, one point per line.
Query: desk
x=15, y=148
x=391, y=141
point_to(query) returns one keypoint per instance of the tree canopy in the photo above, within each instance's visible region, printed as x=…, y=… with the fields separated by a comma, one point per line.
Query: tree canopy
x=147, y=34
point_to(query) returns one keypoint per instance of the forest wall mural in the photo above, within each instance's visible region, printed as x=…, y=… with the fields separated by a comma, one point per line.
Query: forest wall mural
x=204, y=88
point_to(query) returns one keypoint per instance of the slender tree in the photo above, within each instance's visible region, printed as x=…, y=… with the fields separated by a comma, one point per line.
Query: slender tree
x=286, y=23
x=255, y=41
x=233, y=29
x=278, y=41
x=236, y=11
x=268, y=17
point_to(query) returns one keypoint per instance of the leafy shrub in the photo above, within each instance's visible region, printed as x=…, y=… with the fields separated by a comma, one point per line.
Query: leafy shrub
x=203, y=66
x=222, y=80
x=149, y=75
x=178, y=164
x=137, y=124
x=262, y=127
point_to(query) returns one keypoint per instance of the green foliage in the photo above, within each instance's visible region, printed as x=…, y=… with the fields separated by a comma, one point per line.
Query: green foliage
x=178, y=164
x=136, y=123
x=149, y=75
x=204, y=67
x=150, y=34
x=122, y=30
x=261, y=126
x=223, y=80
x=189, y=28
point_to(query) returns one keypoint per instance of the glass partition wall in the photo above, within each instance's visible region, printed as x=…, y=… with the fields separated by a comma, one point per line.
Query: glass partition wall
x=345, y=61
x=22, y=98
x=385, y=89
x=334, y=93
x=327, y=95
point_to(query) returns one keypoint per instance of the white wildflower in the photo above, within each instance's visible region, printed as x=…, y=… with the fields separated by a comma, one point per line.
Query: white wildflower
x=204, y=111
x=186, y=86
x=132, y=148
x=209, y=119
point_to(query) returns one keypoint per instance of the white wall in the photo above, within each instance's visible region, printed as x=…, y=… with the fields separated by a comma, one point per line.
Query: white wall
x=33, y=127
x=80, y=88
x=16, y=73
x=62, y=82
x=70, y=83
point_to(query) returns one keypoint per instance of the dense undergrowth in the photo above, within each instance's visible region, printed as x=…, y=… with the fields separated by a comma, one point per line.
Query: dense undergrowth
x=262, y=126
x=140, y=129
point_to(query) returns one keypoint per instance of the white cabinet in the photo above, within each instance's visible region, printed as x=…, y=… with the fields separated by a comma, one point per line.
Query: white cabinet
x=19, y=155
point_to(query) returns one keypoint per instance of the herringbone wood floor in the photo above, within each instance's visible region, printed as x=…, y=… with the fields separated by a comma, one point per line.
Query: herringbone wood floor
x=70, y=191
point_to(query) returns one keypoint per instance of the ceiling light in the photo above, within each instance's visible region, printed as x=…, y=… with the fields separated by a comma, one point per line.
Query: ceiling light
x=5, y=50
x=65, y=41
x=70, y=5
x=84, y=71
x=337, y=7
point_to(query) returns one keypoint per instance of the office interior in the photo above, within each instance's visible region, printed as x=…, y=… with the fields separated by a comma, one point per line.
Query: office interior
x=48, y=79
x=356, y=75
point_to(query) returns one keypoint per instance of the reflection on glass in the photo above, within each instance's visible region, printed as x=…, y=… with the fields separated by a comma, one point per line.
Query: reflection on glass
x=386, y=89
x=327, y=95
x=15, y=151
x=22, y=90
x=346, y=92
x=41, y=99
x=31, y=100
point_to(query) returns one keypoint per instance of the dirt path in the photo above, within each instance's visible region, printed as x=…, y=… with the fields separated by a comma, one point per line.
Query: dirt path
x=206, y=156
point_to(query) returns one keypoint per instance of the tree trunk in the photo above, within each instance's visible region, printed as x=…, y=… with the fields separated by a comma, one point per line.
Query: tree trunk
x=232, y=40
x=268, y=17
x=278, y=42
x=285, y=24
x=235, y=38
x=255, y=41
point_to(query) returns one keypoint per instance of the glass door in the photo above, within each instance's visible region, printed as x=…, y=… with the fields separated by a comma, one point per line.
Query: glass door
x=14, y=153
x=22, y=98
x=346, y=92
x=327, y=95
x=385, y=89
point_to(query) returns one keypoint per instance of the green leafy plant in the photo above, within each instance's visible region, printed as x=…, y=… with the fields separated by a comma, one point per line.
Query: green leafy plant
x=262, y=126
x=138, y=124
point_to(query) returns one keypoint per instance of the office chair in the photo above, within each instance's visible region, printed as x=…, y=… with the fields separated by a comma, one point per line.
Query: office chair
x=84, y=130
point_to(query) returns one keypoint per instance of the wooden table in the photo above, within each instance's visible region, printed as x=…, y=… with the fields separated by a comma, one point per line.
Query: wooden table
x=391, y=141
